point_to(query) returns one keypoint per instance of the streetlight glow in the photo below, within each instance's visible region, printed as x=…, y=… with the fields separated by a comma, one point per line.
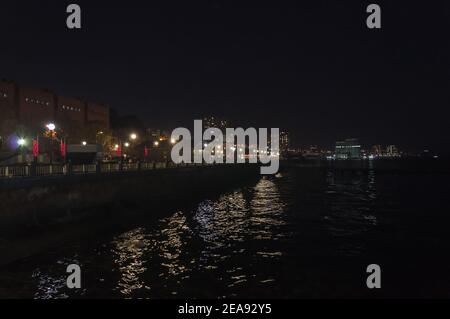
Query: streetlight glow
x=133, y=136
x=51, y=126
x=156, y=143
x=126, y=144
x=21, y=142
x=84, y=143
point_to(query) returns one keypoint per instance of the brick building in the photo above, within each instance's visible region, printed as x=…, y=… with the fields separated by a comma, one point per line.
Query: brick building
x=36, y=107
x=8, y=100
x=8, y=110
x=33, y=108
x=97, y=115
x=70, y=112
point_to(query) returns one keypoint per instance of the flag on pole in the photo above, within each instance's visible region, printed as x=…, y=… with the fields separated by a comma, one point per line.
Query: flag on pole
x=63, y=148
x=35, y=147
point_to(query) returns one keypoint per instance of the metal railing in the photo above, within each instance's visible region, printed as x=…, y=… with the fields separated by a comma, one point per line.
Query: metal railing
x=32, y=170
x=110, y=167
x=14, y=171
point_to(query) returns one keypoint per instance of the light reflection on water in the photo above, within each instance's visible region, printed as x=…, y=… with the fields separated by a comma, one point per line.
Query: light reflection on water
x=247, y=242
x=48, y=284
x=129, y=249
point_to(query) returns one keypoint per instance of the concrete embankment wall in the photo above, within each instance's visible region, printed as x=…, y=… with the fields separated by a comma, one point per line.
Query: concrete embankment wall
x=30, y=203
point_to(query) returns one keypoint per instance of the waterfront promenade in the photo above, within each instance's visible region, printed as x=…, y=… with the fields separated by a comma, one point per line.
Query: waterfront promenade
x=43, y=170
x=33, y=197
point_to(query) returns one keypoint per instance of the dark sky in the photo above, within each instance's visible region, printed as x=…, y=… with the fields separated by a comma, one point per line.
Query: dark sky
x=313, y=67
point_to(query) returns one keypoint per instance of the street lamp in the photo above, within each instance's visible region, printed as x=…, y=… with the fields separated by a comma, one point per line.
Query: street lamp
x=99, y=133
x=84, y=143
x=173, y=141
x=51, y=133
x=156, y=143
x=126, y=144
x=133, y=136
x=21, y=142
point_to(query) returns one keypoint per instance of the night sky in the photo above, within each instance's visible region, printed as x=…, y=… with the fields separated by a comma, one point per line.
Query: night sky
x=313, y=68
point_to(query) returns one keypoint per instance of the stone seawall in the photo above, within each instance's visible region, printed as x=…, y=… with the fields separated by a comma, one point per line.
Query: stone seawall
x=32, y=203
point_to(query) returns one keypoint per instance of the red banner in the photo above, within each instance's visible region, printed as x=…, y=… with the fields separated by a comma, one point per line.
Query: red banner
x=63, y=149
x=35, y=148
x=145, y=151
x=119, y=151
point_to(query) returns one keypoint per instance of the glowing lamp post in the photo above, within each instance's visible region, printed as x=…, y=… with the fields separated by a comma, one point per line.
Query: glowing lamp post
x=21, y=142
x=51, y=126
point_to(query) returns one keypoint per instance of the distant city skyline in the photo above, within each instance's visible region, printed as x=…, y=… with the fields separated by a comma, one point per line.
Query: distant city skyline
x=313, y=69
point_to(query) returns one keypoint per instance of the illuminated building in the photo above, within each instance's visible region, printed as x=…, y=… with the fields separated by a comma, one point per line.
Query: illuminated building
x=33, y=108
x=211, y=122
x=157, y=134
x=377, y=150
x=348, y=149
x=284, y=142
x=392, y=151
x=70, y=113
x=36, y=107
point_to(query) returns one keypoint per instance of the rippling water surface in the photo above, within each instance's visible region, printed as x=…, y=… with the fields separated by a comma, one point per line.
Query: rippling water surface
x=304, y=233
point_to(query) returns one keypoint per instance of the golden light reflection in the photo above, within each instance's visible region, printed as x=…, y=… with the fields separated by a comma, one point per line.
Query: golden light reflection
x=129, y=249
